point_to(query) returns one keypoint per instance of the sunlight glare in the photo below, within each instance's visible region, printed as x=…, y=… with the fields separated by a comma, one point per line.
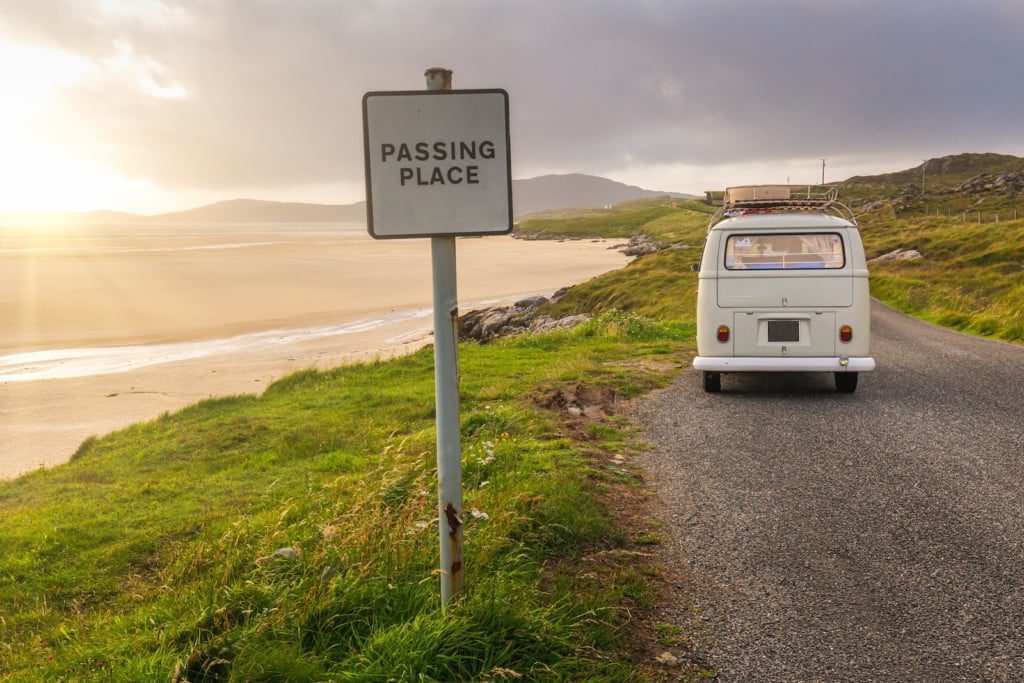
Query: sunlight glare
x=148, y=74
x=36, y=174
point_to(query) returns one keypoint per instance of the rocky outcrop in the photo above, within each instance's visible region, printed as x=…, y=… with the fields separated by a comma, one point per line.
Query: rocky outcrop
x=1011, y=183
x=867, y=206
x=898, y=255
x=557, y=237
x=640, y=244
x=487, y=324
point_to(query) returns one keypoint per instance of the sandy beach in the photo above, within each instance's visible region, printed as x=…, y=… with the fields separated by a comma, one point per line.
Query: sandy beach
x=104, y=327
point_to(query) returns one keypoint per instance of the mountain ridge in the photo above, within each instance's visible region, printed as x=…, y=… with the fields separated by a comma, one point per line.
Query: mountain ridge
x=542, y=193
x=944, y=175
x=956, y=167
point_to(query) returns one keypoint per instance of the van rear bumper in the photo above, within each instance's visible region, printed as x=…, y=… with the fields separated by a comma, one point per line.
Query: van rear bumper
x=753, y=364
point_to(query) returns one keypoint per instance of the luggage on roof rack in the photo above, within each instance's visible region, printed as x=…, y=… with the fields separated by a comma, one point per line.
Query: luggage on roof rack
x=781, y=199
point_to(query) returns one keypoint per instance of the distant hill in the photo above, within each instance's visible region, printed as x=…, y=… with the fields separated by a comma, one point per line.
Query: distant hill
x=262, y=211
x=939, y=173
x=571, y=191
x=529, y=196
x=575, y=191
x=985, y=186
x=945, y=176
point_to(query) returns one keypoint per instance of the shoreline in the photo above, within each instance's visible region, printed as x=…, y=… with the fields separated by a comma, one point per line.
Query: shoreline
x=299, y=309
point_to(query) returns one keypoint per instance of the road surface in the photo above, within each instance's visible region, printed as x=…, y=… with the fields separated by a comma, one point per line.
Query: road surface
x=874, y=536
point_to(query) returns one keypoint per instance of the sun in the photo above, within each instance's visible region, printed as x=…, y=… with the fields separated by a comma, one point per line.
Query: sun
x=35, y=173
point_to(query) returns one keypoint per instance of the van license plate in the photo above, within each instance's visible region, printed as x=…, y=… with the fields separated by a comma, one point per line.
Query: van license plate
x=783, y=330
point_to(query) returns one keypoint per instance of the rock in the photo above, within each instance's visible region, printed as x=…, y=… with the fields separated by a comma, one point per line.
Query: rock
x=543, y=323
x=898, y=255
x=278, y=559
x=487, y=324
x=531, y=302
x=667, y=659
x=284, y=554
x=1011, y=183
x=641, y=244
x=497, y=319
x=869, y=206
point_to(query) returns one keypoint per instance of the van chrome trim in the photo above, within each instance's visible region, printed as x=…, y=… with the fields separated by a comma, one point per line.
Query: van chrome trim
x=789, y=364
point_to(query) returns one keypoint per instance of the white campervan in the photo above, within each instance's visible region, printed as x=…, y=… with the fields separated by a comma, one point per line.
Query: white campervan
x=783, y=287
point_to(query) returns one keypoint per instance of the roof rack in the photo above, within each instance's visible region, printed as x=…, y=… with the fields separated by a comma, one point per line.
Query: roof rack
x=746, y=199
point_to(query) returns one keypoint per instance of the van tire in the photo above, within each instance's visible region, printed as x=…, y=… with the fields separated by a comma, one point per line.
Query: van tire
x=712, y=382
x=846, y=382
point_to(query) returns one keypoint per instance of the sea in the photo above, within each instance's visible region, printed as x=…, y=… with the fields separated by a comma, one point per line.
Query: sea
x=47, y=274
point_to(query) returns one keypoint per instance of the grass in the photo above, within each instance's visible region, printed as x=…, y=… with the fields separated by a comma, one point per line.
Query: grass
x=151, y=555
x=971, y=277
x=660, y=286
x=662, y=218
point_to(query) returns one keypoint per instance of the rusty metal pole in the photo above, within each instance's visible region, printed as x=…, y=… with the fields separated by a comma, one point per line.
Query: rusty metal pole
x=446, y=387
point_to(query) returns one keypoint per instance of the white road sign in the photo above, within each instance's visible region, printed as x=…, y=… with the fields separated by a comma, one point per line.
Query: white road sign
x=437, y=163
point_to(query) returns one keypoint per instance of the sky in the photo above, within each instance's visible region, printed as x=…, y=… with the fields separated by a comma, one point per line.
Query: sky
x=161, y=105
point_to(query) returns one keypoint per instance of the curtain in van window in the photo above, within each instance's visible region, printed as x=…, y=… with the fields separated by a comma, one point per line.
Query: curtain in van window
x=780, y=251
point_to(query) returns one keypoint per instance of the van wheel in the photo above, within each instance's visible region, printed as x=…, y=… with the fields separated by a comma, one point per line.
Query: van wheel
x=712, y=382
x=846, y=382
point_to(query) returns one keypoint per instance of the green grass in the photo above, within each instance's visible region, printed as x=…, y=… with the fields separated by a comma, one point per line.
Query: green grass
x=971, y=277
x=149, y=556
x=660, y=286
x=662, y=218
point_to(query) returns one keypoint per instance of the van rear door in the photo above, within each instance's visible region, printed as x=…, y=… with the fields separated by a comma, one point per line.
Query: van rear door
x=785, y=269
x=760, y=289
x=785, y=288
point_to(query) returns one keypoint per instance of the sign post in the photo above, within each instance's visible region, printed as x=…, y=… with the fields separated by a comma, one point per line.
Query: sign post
x=438, y=166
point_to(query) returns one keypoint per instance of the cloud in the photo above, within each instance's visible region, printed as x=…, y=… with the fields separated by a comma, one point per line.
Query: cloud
x=258, y=93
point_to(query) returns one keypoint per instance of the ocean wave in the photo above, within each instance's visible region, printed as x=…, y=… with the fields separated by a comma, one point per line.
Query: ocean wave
x=105, y=360
x=83, y=362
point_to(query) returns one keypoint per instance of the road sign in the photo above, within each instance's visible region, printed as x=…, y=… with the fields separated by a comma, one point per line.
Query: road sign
x=437, y=163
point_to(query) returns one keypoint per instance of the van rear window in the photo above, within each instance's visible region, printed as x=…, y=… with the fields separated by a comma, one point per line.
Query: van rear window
x=782, y=251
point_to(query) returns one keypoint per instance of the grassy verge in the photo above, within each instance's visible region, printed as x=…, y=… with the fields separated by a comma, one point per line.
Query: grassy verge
x=971, y=277
x=151, y=556
x=660, y=218
x=659, y=286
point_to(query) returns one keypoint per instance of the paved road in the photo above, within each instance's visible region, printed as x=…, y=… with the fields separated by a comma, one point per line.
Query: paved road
x=875, y=536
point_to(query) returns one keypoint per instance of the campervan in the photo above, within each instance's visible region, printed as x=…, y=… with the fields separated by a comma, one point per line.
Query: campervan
x=783, y=287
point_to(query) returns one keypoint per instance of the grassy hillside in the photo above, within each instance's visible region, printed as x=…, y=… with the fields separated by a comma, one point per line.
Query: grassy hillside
x=943, y=186
x=662, y=218
x=970, y=278
x=939, y=175
x=293, y=536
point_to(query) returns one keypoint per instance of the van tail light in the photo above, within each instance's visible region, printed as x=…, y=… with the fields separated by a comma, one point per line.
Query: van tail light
x=723, y=333
x=845, y=333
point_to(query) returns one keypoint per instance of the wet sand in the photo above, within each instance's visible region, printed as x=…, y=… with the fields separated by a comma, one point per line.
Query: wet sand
x=103, y=328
